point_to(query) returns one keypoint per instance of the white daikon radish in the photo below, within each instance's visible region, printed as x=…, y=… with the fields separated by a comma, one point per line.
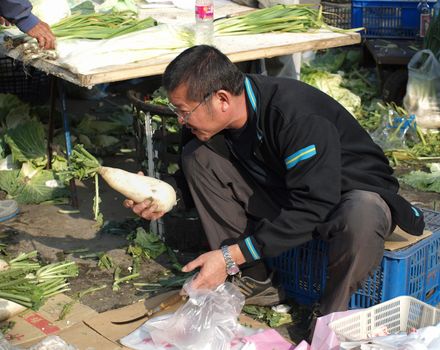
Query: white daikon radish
x=3, y=265
x=139, y=188
x=9, y=309
x=134, y=186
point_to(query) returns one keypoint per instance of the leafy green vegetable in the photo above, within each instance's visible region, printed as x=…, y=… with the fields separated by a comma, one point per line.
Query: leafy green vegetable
x=152, y=246
x=423, y=181
x=27, y=142
x=44, y=185
x=28, y=283
x=8, y=102
x=267, y=315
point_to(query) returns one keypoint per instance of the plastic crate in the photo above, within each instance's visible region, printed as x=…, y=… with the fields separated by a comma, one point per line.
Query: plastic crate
x=28, y=83
x=414, y=271
x=337, y=14
x=398, y=315
x=386, y=19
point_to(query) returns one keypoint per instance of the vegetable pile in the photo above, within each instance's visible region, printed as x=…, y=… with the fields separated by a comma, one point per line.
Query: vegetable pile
x=25, y=281
x=100, y=25
x=279, y=18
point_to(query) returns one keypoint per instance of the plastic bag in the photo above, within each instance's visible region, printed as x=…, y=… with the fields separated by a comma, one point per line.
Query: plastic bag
x=207, y=321
x=423, y=89
x=395, y=130
x=52, y=342
x=5, y=345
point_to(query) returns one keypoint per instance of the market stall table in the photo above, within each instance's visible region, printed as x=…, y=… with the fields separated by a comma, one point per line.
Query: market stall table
x=237, y=48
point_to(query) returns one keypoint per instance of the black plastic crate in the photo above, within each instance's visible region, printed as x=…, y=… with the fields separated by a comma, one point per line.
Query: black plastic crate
x=337, y=14
x=28, y=83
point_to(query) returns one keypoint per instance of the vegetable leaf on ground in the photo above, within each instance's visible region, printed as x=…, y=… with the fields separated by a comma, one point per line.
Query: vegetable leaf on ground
x=27, y=142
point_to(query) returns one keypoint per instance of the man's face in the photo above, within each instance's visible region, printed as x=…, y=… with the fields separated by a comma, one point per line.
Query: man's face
x=204, y=118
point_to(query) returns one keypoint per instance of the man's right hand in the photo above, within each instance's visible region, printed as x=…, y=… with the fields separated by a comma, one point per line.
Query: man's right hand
x=44, y=35
x=146, y=209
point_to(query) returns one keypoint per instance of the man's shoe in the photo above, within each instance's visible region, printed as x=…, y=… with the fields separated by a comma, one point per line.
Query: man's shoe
x=8, y=209
x=315, y=313
x=261, y=293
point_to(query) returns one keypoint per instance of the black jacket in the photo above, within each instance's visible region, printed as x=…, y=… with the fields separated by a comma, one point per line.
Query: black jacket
x=319, y=151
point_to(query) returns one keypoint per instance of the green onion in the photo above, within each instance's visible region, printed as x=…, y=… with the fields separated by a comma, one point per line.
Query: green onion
x=100, y=25
x=279, y=18
x=28, y=283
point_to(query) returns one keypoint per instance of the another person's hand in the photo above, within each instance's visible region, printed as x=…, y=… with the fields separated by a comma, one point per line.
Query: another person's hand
x=212, y=270
x=146, y=209
x=4, y=22
x=44, y=35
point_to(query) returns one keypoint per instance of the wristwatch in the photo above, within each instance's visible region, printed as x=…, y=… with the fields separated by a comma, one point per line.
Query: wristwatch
x=231, y=266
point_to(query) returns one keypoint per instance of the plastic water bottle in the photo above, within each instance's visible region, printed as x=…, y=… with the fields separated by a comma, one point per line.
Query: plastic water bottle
x=204, y=30
x=425, y=17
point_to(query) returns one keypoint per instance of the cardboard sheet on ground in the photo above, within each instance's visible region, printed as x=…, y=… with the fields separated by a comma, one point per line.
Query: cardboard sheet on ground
x=84, y=338
x=32, y=326
x=102, y=324
x=399, y=239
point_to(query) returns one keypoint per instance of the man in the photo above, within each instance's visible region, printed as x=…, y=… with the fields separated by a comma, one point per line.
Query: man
x=19, y=12
x=275, y=163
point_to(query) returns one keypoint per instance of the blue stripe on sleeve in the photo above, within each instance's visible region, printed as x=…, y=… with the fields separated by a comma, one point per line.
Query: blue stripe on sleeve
x=302, y=154
x=251, y=248
x=415, y=211
x=250, y=94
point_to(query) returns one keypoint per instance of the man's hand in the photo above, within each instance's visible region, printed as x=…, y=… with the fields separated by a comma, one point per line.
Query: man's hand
x=212, y=270
x=4, y=22
x=146, y=209
x=44, y=35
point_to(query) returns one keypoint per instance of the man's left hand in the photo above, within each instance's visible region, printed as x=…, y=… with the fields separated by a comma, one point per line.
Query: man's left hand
x=4, y=22
x=44, y=35
x=212, y=270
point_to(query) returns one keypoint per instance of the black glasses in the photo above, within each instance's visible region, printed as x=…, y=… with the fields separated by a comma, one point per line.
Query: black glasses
x=185, y=115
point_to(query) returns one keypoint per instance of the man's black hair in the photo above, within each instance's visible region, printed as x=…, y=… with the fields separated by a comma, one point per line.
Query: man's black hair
x=204, y=70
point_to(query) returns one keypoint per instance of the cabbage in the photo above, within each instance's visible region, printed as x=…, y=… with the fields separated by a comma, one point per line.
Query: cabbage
x=51, y=11
x=27, y=142
x=44, y=185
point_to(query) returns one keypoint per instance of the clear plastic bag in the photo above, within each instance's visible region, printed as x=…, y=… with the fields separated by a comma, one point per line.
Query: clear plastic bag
x=53, y=342
x=395, y=130
x=423, y=89
x=208, y=320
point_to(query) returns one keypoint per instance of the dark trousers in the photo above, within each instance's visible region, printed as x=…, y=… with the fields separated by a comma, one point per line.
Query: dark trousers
x=226, y=199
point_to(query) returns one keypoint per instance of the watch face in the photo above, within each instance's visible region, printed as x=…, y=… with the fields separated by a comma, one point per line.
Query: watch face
x=233, y=270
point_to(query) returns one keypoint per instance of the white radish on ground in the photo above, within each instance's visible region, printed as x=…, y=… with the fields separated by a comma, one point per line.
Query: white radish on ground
x=9, y=308
x=3, y=265
x=139, y=187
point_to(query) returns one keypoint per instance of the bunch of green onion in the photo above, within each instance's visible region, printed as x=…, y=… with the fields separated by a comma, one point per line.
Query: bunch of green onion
x=279, y=18
x=100, y=25
x=27, y=283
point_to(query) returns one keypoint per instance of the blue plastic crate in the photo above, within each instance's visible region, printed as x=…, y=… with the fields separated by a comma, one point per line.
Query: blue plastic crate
x=386, y=19
x=414, y=271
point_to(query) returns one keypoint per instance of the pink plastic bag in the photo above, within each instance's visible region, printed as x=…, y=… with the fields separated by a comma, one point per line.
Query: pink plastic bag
x=323, y=337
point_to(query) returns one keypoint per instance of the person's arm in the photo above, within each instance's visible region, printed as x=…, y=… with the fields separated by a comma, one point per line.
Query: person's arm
x=19, y=12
